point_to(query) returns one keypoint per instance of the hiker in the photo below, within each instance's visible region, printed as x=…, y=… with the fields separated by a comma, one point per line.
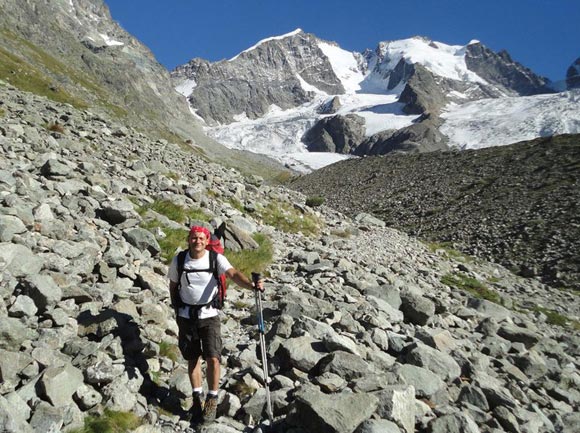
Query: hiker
x=193, y=295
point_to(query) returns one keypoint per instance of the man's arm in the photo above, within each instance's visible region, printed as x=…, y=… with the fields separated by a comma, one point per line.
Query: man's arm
x=243, y=281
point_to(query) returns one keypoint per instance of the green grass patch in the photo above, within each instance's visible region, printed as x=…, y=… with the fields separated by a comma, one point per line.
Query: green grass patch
x=110, y=422
x=314, y=201
x=449, y=251
x=25, y=76
x=285, y=217
x=472, y=286
x=169, y=350
x=236, y=204
x=555, y=318
x=2, y=112
x=174, y=211
x=174, y=240
x=248, y=261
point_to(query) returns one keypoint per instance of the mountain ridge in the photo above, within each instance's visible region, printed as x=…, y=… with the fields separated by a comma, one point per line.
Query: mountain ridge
x=385, y=87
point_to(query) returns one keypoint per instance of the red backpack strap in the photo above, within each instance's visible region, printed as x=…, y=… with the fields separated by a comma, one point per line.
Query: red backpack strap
x=218, y=301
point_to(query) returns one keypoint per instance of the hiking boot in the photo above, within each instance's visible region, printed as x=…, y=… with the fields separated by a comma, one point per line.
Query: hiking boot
x=195, y=414
x=210, y=408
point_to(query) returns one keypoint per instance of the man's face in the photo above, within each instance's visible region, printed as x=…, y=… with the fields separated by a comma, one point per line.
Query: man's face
x=198, y=241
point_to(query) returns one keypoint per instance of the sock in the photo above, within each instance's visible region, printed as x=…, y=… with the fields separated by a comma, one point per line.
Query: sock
x=212, y=394
x=198, y=391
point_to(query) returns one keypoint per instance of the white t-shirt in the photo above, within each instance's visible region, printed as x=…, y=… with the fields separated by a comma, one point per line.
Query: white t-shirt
x=198, y=288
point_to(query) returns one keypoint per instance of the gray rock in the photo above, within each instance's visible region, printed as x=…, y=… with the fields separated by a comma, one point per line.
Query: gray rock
x=143, y=240
x=474, y=396
x=20, y=260
x=378, y=426
x=518, y=334
x=58, y=384
x=435, y=361
x=14, y=414
x=301, y=352
x=43, y=290
x=344, y=364
x=339, y=134
x=329, y=413
x=397, y=403
x=454, y=423
x=417, y=309
x=426, y=383
x=118, y=211
x=13, y=333
x=10, y=226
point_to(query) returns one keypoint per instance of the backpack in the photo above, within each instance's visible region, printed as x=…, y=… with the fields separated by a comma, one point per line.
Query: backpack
x=214, y=247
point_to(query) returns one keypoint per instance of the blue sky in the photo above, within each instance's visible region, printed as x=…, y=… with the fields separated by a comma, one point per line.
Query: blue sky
x=544, y=35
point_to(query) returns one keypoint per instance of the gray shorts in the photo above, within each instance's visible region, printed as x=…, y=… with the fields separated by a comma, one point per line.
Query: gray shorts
x=200, y=337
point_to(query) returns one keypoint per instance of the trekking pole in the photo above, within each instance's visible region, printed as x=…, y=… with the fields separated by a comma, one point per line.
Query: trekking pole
x=255, y=278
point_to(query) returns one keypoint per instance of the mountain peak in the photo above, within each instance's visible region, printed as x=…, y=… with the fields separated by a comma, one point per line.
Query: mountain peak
x=272, y=38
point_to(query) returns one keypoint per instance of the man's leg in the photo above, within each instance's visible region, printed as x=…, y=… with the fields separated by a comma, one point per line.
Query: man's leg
x=213, y=373
x=194, y=369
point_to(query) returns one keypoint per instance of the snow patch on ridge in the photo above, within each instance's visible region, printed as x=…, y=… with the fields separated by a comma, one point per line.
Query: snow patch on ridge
x=186, y=87
x=109, y=41
x=441, y=59
x=273, y=38
x=344, y=65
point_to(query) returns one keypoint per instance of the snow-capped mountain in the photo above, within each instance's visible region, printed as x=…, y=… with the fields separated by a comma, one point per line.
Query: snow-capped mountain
x=295, y=93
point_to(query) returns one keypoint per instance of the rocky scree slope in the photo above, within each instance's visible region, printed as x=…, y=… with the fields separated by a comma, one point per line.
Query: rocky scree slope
x=363, y=336
x=516, y=205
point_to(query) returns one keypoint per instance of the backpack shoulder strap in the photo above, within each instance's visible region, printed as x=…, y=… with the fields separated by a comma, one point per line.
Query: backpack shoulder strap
x=213, y=267
x=180, y=264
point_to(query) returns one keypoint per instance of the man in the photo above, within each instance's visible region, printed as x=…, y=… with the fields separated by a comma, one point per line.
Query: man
x=198, y=319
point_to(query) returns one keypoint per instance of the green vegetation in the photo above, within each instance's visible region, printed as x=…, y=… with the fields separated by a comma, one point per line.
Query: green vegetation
x=471, y=285
x=175, y=238
x=169, y=350
x=283, y=177
x=110, y=422
x=257, y=260
x=449, y=251
x=36, y=71
x=315, y=201
x=236, y=204
x=23, y=75
x=555, y=318
x=2, y=112
x=287, y=218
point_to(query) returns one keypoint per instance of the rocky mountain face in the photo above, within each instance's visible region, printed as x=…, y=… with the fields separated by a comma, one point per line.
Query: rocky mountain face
x=269, y=74
x=573, y=75
x=80, y=50
x=501, y=70
x=362, y=320
x=299, y=69
x=516, y=205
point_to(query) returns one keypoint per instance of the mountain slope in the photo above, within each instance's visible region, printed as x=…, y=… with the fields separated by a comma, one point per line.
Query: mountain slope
x=516, y=204
x=74, y=52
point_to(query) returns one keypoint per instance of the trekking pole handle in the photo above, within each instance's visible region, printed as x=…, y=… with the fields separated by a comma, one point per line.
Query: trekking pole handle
x=256, y=276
